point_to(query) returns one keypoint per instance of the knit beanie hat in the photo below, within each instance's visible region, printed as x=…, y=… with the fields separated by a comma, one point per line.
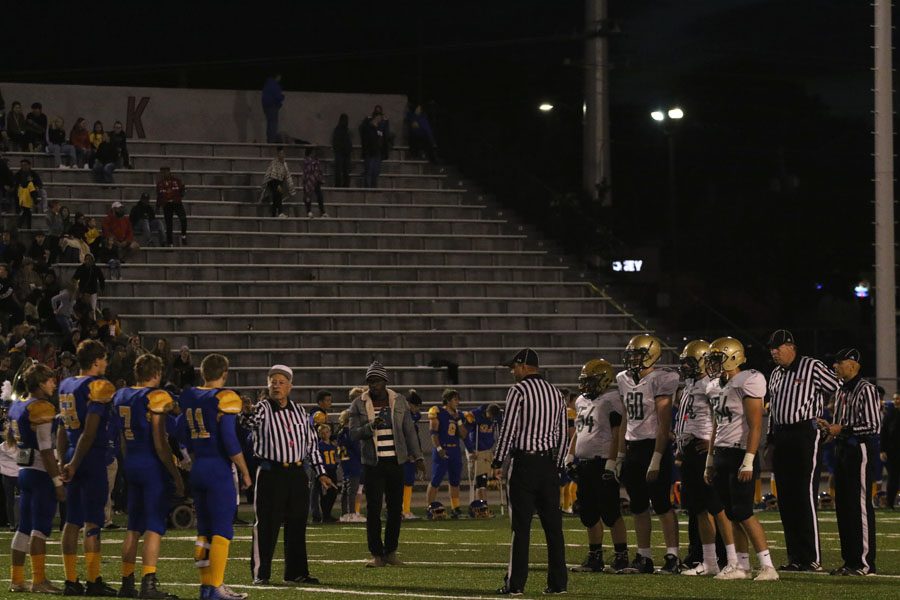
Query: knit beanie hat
x=376, y=369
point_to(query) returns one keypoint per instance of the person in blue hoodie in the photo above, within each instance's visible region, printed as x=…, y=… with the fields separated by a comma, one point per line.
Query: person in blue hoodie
x=272, y=99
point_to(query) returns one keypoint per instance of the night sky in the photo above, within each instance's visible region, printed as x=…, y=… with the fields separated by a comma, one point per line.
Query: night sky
x=773, y=159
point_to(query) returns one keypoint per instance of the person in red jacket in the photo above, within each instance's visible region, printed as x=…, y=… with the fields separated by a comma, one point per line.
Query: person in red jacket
x=117, y=227
x=169, y=194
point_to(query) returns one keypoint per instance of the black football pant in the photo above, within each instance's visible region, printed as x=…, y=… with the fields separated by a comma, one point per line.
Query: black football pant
x=534, y=485
x=282, y=496
x=384, y=484
x=795, y=461
x=170, y=209
x=853, y=501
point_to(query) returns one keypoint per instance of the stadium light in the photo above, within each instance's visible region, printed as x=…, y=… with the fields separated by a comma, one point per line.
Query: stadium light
x=862, y=289
x=658, y=115
x=545, y=107
x=676, y=113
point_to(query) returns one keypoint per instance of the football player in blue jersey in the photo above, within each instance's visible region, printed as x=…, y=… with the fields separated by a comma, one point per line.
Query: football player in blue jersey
x=447, y=427
x=210, y=412
x=85, y=406
x=31, y=422
x=482, y=425
x=141, y=413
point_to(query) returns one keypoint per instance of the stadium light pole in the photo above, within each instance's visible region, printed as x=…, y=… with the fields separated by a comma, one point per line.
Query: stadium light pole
x=885, y=286
x=669, y=119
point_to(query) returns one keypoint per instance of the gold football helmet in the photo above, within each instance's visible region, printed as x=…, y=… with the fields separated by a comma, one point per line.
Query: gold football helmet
x=725, y=354
x=596, y=376
x=642, y=352
x=693, y=359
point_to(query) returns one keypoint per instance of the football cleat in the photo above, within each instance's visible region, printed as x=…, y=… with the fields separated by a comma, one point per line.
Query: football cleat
x=767, y=574
x=45, y=587
x=701, y=570
x=150, y=589
x=73, y=588
x=593, y=563
x=731, y=572
x=98, y=587
x=223, y=592
x=671, y=566
x=17, y=588
x=620, y=562
x=436, y=511
x=127, y=589
x=640, y=565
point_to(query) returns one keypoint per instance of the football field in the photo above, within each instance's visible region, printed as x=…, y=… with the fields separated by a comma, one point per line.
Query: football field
x=467, y=559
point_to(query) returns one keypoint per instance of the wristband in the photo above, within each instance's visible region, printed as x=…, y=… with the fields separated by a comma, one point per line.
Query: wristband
x=57, y=481
x=610, y=465
x=747, y=465
x=654, y=462
x=438, y=448
x=709, y=460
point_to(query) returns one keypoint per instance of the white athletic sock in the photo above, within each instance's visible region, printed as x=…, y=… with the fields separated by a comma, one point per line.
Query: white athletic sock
x=744, y=560
x=709, y=555
x=731, y=554
x=645, y=552
x=673, y=550
x=765, y=560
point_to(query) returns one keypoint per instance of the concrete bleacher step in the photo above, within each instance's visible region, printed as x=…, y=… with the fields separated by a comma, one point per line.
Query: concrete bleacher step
x=376, y=288
x=359, y=272
x=71, y=188
x=192, y=178
x=328, y=322
x=249, y=149
x=200, y=306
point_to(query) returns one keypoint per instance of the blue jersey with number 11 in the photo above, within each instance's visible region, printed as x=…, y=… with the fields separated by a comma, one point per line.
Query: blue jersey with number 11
x=206, y=412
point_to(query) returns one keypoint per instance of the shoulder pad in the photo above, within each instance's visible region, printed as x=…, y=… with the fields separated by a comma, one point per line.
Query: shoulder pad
x=41, y=412
x=229, y=402
x=433, y=412
x=101, y=390
x=159, y=401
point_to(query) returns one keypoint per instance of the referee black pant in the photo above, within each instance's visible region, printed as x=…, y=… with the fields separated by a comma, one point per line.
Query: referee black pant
x=853, y=481
x=795, y=462
x=534, y=485
x=282, y=496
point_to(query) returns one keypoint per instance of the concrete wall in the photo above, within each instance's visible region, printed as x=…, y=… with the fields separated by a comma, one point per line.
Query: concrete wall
x=174, y=114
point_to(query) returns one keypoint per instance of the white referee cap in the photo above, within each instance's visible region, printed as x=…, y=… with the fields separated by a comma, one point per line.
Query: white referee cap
x=281, y=370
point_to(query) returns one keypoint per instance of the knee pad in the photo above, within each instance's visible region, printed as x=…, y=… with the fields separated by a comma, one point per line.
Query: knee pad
x=201, y=552
x=92, y=532
x=481, y=482
x=38, y=534
x=21, y=542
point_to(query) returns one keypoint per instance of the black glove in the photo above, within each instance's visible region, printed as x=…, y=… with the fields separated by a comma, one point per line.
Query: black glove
x=608, y=476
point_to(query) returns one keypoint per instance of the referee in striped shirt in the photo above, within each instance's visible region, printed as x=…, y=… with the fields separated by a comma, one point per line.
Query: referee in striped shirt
x=798, y=387
x=283, y=441
x=857, y=424
x=534, y=438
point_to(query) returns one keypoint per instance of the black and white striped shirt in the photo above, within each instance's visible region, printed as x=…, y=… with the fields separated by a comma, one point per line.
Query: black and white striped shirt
x=798, y=392
x=283, y=435
x=857, y=408
x=535, y=420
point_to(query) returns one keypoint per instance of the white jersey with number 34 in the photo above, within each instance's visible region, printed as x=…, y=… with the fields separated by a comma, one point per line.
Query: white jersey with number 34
x=640, y=400
x=728, y=406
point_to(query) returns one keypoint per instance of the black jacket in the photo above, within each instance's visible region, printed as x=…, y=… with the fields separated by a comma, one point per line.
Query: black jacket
x=90, y=279
x=141, y=211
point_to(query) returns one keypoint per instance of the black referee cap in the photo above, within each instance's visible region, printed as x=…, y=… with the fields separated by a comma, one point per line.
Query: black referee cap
x=525, y=356
x=846, y=354
x=779, y=337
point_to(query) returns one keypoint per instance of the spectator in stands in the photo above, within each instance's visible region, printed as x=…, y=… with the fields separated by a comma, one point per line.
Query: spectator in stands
x=110, y=326
x=29, y=179
x=278, y=182
x=135, y=349
x=15, y=127
x=90, y=281
x=67, y=367
x=312, y=182
x=57, y=144
x=7, y=184
x=106, y=252
x=421, y=137
x=27, y=281
x=80, y=137
x=387, y=137
x=145, y=224
x=163, y=350
x=36, y=128
x=12, y=251
x=96, y=135
x=372, y=143
x=119, y=142
x=54, y=224
x=41, y=249
x=121, y=366
x=92, y=233
x=8, y=304
x=169, y=197
x=183, y=372
x=74, y=243
x=342, y=147
x=117, y=226
x=272, y=99
x=105, y=158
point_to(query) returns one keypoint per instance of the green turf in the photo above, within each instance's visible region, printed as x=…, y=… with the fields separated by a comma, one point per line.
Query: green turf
x=467, y=558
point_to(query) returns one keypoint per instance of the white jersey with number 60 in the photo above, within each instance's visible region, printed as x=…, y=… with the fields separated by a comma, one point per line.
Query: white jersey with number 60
x=592, y=425
x=640, y=400
x=728, y=406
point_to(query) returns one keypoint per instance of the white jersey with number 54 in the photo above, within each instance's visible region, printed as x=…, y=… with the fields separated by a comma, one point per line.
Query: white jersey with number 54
x=593, y=425
x=640, y=400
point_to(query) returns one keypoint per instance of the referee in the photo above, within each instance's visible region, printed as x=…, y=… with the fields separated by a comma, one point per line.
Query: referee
x=857, y=423
x=798, y=387
x=283, y=440
x=534, y=438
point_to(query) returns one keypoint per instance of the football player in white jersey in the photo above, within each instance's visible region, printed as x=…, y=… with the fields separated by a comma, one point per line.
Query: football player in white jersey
x=693, y=430
x=592, y=463
x=647, y=470
x=737, y=401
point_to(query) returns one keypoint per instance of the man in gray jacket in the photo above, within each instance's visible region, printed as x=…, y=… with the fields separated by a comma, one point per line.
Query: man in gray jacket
x=380, y=420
